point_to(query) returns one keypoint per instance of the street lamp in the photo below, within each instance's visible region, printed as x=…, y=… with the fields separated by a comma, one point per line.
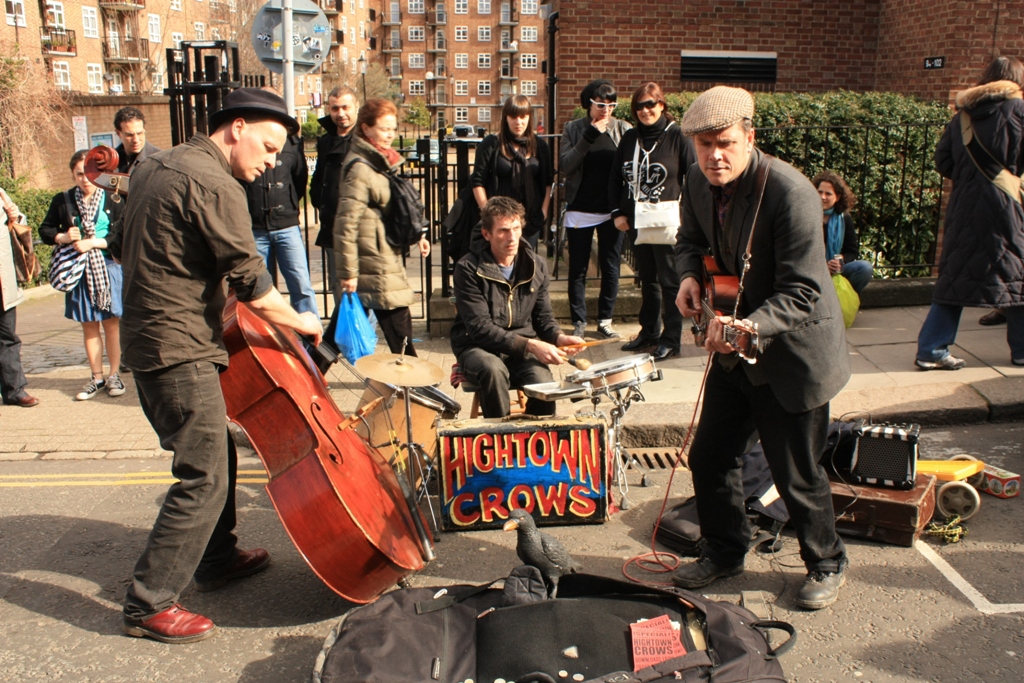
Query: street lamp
x=362, y=70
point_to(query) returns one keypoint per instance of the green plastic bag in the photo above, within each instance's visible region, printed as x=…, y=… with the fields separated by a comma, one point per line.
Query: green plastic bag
x=849, y=300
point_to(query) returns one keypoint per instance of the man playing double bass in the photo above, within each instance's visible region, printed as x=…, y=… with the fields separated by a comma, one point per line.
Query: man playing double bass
x=801, y=359
x=186, y=239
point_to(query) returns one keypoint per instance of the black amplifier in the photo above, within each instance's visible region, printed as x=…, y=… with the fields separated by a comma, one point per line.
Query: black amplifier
x=886, y=455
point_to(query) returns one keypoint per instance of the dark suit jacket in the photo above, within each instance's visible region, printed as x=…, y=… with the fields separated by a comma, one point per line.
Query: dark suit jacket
x=788, y=291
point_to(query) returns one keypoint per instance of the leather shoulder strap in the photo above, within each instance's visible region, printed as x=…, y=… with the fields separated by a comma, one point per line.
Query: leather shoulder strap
x=987, y=164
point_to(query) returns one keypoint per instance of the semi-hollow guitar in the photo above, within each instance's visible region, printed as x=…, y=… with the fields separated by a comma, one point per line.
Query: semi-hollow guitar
x=719, y=292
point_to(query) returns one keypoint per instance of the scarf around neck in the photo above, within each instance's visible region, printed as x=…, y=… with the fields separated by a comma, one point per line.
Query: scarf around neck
x=835, y=234
x=96, y=277
x=390, y=154
x=653, y=131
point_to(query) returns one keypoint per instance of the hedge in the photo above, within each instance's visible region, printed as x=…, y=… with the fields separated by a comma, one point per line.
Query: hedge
x=883, y=144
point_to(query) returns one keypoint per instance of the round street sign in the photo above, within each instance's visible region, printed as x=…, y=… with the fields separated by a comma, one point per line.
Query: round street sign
x=311, y=36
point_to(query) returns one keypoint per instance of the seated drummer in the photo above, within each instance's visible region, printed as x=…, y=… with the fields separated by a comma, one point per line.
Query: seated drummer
x=505, y=334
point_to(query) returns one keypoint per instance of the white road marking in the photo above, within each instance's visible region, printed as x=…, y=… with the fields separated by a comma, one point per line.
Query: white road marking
x=980, y=602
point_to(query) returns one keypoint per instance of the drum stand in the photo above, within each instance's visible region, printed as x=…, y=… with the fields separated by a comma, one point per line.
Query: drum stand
x=622, y=401
x=421, y=462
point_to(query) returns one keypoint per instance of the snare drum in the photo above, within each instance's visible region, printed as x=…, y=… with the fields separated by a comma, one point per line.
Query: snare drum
x=618, y=373
x=427, y=406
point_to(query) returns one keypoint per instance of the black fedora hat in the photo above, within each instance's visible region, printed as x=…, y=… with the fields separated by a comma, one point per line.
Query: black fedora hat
x=253, y=102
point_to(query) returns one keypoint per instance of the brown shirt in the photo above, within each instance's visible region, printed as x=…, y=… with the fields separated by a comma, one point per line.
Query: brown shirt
x=187, y=237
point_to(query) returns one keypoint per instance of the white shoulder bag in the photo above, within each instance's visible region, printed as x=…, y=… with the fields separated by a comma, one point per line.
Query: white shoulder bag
x=655, y=222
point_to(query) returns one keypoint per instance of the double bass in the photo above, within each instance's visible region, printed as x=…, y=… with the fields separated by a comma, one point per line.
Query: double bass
x=338, y=498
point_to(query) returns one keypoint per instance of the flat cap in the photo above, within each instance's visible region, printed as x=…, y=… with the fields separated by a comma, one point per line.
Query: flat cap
x=253, y=102
x=717, y=108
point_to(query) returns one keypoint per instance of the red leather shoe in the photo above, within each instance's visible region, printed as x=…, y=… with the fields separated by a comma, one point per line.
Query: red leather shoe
x=25, y=401
x=174, y=625
x=247, y=563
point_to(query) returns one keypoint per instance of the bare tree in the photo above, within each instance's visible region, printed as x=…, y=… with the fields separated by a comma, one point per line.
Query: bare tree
x=31, y=109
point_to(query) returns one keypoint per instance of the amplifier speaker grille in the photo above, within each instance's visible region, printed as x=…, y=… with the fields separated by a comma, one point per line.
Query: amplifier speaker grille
x=886, y=455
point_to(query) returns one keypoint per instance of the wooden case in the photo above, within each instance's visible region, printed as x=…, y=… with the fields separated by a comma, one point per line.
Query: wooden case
x=883, y=514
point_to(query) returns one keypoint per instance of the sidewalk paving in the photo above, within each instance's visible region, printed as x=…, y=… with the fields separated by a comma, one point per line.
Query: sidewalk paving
x=885, y=386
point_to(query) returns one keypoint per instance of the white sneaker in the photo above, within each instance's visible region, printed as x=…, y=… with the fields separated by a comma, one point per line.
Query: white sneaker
x=115, y=387
x=90, y=390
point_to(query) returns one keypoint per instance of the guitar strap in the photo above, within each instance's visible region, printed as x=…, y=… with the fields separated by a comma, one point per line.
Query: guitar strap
x=761, y=179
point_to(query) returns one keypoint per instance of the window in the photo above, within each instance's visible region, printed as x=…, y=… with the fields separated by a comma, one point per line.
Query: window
x=344, y=24
x=396, y=65
x=154, y=28
x=362, y=30
x=529, y=87
x=55, y=14
x=16, y=17
x=461, y=34
x=131, y=83
x=461, y=114
x=529, y=7
x=176, y=39
x=528, y=34
x=95, y=75
x=158, y=83
x=417, y=34
x=417, y=88
x=200, y=29
x=461, y=61
x=115, y=83
x=214, y=34
x=462, y=6
x=302, y=85
x=90, y=23
x=344, y=55
x=415, y=7
x=483, y=115
x=61, y=75
x=417, y=61
x=232, y=5
x=483, y=7
x=483, y=60
x=483, y=34
x=461, y=87
x=528, y=61
x=176, y=5
x=483, y=87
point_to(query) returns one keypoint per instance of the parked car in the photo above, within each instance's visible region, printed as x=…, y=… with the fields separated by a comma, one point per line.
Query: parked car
x=462, y=130
x=435, y=152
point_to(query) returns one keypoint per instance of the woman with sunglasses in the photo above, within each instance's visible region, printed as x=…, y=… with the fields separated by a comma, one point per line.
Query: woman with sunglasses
x=515, y=163
x=651, y=162
x=586, y=159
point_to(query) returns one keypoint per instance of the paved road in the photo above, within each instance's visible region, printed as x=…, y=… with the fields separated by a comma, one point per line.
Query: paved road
x=71, y=531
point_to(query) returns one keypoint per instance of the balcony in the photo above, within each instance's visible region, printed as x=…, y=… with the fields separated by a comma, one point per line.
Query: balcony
x=437, y=74
x=509, y=46
x=391, y=45
x=330, y=7
x=509, y=16
x=339, y=37
x=58, y=41
x=123, y=5
x=126, y=51
x=439, y=45
x=391, y=18
x=219, y=11
x=508, y=73
x=438, y=99
x=437, y=18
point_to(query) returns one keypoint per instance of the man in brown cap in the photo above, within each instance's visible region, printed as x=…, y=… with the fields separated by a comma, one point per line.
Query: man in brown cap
x=798, y=346
x=186, y=240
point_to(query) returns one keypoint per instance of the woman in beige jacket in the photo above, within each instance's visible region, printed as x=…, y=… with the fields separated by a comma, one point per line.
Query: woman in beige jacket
x=367, y=264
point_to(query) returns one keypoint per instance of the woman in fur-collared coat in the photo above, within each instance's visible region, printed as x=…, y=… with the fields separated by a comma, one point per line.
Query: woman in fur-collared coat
x=982, y=260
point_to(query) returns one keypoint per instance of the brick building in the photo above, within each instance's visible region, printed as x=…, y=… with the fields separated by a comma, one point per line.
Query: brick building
x=464, y=57
x=811, y=46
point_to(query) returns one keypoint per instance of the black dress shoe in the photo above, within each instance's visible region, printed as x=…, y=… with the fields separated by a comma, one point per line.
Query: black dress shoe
x=247, y=563
x=640, y=344
x=664, y=352
x=703, y=571
x=25, y=401
x=820, y=589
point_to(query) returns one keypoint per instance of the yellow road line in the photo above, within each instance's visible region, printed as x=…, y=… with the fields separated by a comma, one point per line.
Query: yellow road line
x=130, y=479
x=120, y=475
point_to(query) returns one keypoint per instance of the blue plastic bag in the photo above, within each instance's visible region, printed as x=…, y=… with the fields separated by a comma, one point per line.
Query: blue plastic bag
x=354, y=335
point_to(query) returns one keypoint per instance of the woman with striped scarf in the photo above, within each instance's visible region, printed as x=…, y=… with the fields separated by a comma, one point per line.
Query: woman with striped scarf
x=89, y=219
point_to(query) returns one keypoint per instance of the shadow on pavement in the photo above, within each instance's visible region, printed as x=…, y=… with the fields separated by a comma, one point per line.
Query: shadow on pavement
x=292, y=659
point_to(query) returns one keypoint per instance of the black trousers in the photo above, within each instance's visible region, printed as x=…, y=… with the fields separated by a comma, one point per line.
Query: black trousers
x=609, y=254
x=12, y=377
x=735, y=413
x=660, y=319
x=494, y=378
x=396, y=326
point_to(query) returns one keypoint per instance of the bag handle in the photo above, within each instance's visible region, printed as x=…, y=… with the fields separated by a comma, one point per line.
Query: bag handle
x=769, y=624
x=997, y=173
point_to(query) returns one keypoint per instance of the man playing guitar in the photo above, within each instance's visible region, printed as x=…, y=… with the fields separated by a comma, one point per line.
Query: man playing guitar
x=760, y=220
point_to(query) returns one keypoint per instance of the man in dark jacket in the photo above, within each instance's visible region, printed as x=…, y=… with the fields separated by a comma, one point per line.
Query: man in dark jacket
x=799, y=364
x=274, y=207
x=505, y=334
x=130, y=124
x=331, y=148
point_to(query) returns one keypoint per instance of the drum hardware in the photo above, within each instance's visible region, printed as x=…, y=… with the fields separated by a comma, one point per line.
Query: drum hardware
x=399, y=370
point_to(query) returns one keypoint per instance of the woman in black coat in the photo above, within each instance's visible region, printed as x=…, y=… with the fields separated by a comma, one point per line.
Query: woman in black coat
x=982, y=260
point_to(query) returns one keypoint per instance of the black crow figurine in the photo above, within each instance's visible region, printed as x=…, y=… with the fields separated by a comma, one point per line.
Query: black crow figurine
x=543, y=551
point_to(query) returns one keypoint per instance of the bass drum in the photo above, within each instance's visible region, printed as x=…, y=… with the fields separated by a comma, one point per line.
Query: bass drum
x=428, y=405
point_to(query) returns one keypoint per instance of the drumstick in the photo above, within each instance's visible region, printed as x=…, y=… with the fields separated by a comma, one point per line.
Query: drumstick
x=581, y=363
x=587, y=345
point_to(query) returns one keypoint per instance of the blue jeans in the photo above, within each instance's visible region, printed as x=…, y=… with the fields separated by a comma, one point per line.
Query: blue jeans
x=940, y=326
x=290, y=253
x=858, y=273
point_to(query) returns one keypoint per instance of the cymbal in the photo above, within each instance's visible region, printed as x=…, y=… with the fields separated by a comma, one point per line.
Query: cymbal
x=400, y=371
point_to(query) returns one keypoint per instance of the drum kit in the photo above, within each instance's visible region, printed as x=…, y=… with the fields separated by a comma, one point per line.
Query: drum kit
x=619, y=381
x=401, y=396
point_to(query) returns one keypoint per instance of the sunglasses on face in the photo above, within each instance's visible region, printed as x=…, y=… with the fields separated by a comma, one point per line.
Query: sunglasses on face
x=649, y=104
x=604, y=105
